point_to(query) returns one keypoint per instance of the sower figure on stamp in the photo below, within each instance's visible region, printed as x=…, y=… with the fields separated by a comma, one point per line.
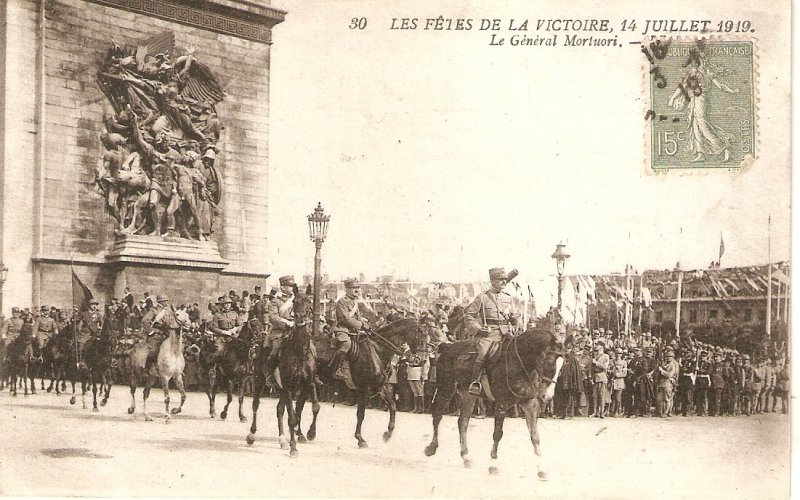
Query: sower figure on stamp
x=349, y=321
x=281, y=319
x=490, y=318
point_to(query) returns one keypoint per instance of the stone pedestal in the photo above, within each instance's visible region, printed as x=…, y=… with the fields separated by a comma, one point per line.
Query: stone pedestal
x=165, y=251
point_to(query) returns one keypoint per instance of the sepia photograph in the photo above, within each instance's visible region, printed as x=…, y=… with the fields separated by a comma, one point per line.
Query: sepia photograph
x=370, y=249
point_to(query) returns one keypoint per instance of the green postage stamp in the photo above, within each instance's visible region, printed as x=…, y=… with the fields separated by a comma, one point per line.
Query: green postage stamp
x=702, y=104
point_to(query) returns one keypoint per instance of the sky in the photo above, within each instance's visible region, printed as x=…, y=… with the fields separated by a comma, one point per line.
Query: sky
x=438, y=156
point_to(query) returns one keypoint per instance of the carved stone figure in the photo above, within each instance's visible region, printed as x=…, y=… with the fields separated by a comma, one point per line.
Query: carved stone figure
x=164, y=118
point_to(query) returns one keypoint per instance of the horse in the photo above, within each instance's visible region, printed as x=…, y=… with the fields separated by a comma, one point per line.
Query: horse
x=369, y=360
x=524, y=371
x=98, y=354
x=232, y=366
x=169, y=365
x=297, y=369
x=20, y=356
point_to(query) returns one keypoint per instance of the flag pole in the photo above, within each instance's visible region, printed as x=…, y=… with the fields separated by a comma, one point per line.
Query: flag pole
x=678, y=303
x=641, y=298
x=769, y=275
x=72, y=317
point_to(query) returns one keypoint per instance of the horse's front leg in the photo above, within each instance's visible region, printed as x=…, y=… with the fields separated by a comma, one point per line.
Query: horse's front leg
x=107, y=382
x=387, y=394
x=532, y=409
x=499, y=417
x=242, y=417
x=258, y=386
x=165, y=387
x=312, y=431
x=224, y=413
x=93, y=381
x=211, y=391
x=292, y=423
x=182, y=391
x=361, y=396
x=300, y=403
x=467, y=405
x=279, y=409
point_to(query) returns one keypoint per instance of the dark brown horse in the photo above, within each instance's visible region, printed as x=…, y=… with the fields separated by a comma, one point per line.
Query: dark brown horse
x=231, y=366
x=297, y=372
x=20, y=358
x=369, y=366
x=97, y=356
x=523, y=372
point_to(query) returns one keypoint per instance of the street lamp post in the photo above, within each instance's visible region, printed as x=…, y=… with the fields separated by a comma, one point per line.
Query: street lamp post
x=561, y=256
x=317, y=230
x=3, y=276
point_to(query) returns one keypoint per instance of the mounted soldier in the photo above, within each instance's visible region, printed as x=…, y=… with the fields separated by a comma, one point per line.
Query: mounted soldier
x=348, y=321
x=280, y=313
x=13, y=325
x=225, y=321
x=490, y=318
x=90, y=323
x=45, y=326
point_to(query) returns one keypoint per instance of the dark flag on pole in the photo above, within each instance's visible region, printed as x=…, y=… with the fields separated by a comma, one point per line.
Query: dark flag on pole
x=81, y=295
x=721, y=249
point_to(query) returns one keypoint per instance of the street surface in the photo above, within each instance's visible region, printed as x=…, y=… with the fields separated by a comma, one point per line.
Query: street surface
x=52, y=448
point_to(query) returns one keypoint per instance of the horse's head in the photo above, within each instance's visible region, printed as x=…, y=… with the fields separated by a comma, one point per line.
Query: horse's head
x=303, y=305
x=548, y=355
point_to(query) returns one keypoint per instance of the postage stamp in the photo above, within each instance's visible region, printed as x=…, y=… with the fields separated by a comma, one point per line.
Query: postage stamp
x=702, y=104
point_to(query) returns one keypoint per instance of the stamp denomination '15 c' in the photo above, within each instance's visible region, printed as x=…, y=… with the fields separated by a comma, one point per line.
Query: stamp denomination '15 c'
x=703, y=105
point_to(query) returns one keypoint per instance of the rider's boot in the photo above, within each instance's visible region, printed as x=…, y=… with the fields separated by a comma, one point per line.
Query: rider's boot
x=475, y=387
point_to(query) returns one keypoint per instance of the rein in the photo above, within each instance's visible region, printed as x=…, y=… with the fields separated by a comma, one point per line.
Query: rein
x=528, y=375
x=387, y=342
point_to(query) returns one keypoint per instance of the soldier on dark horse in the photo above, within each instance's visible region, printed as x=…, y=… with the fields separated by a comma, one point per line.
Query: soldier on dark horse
x=296, y=363
x=97, y=356
x=20, y=353
x=368, y=354
x=512, y=370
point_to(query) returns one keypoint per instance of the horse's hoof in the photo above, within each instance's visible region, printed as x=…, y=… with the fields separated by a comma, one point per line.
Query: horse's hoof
x=72, y=400
x=148, y=418
x=131, y=410
x=95, y=409
x=430, y=450
x=284, y=444
x=387, y=436
x=103, y=402
x=311, y=434
x=242, y=418
x=251, y=438
x=494, y=470
x=167, y=420
x=468, y=463
x=494, y=454
x=212, y=414
x=175, y=411
x=542, y=476
x=363, y=444
x=301, y=438
x=223, y=415
x=293, y=453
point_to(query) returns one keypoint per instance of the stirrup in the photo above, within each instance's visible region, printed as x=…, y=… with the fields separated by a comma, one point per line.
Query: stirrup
x=475, y=388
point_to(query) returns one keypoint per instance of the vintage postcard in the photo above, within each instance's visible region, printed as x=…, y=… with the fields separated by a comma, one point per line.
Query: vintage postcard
x=376, y=249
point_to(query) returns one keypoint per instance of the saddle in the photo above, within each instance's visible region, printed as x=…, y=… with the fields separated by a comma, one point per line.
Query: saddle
x=492, y=358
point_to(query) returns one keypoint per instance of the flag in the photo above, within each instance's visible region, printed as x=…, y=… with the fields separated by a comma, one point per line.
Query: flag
x=721, y=247
x=81, y=295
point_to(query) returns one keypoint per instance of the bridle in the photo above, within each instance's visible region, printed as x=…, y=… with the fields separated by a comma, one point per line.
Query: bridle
x=528, y=374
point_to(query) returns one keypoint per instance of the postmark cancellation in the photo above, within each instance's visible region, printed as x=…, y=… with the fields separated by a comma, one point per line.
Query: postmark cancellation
x=702, y=104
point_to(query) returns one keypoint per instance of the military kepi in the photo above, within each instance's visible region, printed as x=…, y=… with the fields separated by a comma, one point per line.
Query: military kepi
x=351, y=283
x=497, y=273
x=287, y=280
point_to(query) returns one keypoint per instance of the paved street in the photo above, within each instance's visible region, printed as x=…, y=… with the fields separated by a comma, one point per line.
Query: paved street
x=52, y=448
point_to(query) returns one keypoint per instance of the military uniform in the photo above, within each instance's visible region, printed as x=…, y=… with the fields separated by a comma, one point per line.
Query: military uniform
x=667, y=374
x=348, y=320
x=164, y=321
x=490, y=317
x=224, y=322
x=90, y=325
x=12, y=327
x=44, y=328
x=702, y=385
x=280, y=313
x=686, y=383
